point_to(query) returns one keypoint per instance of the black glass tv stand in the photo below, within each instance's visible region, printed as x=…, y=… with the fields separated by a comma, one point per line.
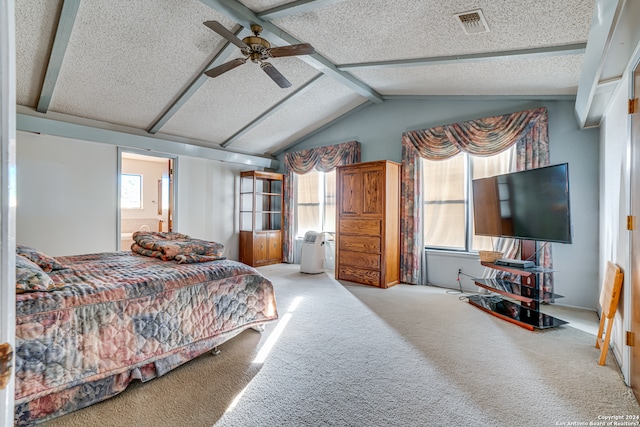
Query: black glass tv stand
x=527, y=297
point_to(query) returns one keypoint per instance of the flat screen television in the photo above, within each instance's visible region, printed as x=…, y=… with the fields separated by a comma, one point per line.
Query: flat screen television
x=530, y=205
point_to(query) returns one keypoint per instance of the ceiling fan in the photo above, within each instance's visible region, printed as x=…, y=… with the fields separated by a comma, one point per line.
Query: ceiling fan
x=258, y=50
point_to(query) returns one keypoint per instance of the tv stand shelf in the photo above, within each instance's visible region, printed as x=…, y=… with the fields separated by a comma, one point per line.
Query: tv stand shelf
x=528, y=295
x=520, y=315
x=516, y=291
x=516, y=270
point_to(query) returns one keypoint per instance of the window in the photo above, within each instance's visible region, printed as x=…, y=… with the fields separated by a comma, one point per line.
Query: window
x=448, y=212
x=131, y=191
x=315, y=202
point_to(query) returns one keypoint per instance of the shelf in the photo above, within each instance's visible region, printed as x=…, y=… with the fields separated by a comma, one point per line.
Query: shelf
x=515, y=313
x=261, y=193
x=516, y=270
x=516, y=291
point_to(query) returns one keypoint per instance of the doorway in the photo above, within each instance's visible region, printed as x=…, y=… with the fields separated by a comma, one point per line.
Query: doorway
x=146, y=195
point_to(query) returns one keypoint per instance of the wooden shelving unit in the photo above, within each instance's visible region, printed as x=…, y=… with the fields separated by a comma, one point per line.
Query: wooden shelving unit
x=261, y=218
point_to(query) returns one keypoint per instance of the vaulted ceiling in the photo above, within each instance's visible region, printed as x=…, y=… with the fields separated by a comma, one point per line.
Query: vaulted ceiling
x=139, y=64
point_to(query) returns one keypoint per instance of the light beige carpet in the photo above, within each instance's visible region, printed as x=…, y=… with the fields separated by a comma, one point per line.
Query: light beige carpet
x=352, y=355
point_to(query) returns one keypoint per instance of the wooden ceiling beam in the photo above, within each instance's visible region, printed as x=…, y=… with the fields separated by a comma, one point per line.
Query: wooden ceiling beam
x=540, y=52
x=294, y=8
x=299, y=91
x=60, y=43
x=66, y=126
x=219, y=59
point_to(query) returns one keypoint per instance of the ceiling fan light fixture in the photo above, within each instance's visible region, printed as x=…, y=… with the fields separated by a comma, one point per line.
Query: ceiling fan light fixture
x=473, y=22
x=257, y=50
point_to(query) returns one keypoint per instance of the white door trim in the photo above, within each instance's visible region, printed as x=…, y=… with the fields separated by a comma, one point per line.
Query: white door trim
x=7, y=194
x=149, y=153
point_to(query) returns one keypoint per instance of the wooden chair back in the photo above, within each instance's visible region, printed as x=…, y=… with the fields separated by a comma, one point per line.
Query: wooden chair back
x=609, y=297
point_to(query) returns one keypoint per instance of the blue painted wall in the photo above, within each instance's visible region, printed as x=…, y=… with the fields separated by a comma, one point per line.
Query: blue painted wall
x=379, y=129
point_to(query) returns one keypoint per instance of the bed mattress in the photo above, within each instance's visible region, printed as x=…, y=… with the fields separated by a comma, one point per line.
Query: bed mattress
x=119, y=316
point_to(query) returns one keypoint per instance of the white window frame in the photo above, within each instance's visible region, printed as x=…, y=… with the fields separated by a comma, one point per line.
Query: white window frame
x=140, y=190
x=468, y=211
x=320, y=204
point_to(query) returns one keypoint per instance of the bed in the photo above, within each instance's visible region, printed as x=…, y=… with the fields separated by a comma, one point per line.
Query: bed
x=103, y=320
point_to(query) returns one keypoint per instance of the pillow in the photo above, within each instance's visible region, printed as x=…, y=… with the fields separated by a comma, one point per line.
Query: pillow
x=30, y=277
x=44, y=261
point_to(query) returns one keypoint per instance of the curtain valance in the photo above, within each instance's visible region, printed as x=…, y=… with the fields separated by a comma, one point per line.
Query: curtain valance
x=479, y=137
x=323, y=159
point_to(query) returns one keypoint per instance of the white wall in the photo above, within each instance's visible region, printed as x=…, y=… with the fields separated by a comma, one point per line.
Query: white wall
x=67, y=196
x=379, y=129
x=66, y=191
x=208, y=200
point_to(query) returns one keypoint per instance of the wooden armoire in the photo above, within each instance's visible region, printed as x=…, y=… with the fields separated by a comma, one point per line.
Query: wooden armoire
x=368, y=223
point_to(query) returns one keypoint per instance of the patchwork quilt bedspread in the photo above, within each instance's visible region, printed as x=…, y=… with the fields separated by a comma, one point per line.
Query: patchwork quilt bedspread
x=115, y=317
x=175, y=246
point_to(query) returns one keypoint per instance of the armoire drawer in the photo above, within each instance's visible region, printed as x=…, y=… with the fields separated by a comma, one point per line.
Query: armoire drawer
x=369, y=244
x=359, y=275
x=359, y=259
x=371, y=227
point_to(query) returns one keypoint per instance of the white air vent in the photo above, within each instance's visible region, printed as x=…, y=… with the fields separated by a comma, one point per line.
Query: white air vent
x=473, y=22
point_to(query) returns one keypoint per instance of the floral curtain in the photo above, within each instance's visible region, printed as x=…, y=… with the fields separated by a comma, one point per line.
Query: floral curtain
x=481, y=137
x=323, y=159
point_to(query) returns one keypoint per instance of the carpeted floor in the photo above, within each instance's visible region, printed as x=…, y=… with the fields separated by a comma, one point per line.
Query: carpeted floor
x=351, y=355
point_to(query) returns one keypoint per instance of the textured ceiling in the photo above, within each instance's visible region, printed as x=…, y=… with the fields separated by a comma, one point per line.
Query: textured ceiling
x=556, y=75
x=140, y=63
x=234, y=108
x=324, y=101
x=35, y=28
x=380, y=30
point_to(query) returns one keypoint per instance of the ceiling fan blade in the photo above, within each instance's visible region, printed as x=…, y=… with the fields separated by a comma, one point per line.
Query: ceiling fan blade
x=220, y=29
x=293, y=50
x=216, y=71
x=275, y=75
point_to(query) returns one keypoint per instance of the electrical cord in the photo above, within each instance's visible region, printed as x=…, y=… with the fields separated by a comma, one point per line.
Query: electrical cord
x=459, y=284
x=463, y=295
